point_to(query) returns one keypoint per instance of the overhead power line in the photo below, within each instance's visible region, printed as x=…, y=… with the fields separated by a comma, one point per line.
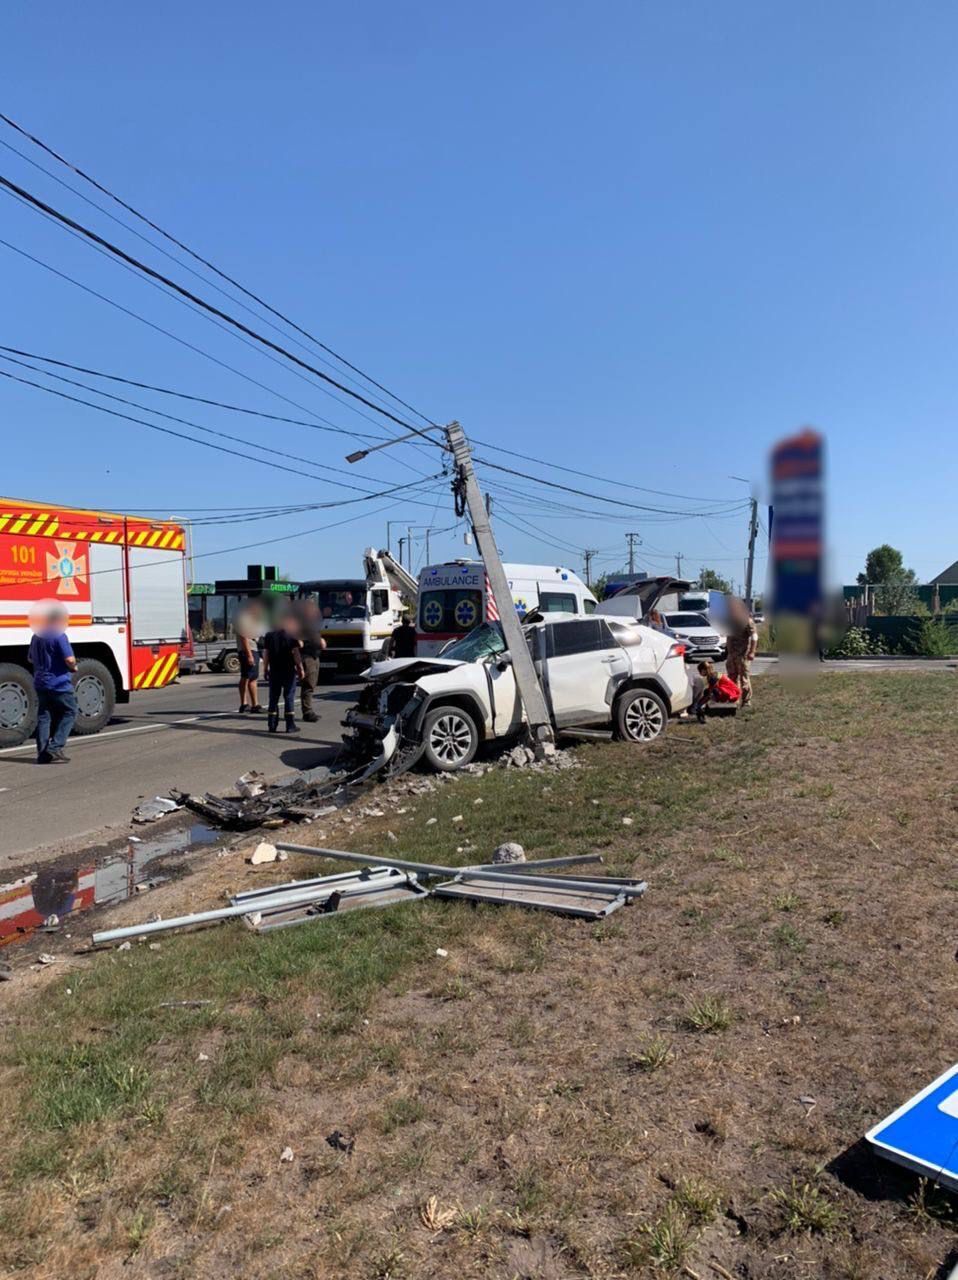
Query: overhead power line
x=588, y=475
x=183, y=395
x=120, y=222
x=135, y=315
x=207, y=444
x=186, y=422
x=209, y=265
x=582, y=493
x=41, y=206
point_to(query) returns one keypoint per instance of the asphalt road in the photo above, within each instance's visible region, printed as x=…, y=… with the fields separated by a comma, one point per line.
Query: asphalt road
x=187, y=735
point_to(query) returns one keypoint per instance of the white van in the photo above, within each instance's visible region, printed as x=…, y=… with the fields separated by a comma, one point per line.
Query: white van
x=455, y=597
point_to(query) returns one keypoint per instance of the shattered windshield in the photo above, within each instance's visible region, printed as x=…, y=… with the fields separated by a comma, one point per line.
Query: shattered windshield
x=483, y=642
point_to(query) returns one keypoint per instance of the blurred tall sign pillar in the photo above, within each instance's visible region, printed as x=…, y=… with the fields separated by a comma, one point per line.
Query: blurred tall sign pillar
x=797, y=526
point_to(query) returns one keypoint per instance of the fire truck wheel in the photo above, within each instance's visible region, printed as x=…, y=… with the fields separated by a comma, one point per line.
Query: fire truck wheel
x=18, y=705
x=95, y=694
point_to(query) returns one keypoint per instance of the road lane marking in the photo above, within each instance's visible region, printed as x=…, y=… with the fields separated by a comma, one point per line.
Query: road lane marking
x=115, y=733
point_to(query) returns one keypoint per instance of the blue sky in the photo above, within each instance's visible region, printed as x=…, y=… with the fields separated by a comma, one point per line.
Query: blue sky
x=640, y=240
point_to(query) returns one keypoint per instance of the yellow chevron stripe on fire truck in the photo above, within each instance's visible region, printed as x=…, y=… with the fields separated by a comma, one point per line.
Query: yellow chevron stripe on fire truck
x=161, y=673
x=44, y=524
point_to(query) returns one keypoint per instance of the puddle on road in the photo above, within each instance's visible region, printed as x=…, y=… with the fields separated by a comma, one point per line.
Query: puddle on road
x=69, y=885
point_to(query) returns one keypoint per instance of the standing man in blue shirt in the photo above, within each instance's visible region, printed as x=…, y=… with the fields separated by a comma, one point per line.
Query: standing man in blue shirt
x=53, y=666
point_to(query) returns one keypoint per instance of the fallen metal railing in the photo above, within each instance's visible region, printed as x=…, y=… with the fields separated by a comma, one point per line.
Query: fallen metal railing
x=628, y=888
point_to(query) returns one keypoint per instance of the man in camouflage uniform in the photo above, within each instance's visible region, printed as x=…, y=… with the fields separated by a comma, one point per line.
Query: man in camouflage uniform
x=742, y=642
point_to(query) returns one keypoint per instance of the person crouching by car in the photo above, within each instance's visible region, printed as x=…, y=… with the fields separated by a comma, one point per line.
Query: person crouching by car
x=282, y=665
x=720, y=689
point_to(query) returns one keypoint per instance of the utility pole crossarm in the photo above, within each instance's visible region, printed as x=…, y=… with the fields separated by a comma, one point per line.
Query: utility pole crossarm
x=527, y=682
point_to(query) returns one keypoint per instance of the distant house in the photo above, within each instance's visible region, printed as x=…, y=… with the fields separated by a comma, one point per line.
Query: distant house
x=949, y=576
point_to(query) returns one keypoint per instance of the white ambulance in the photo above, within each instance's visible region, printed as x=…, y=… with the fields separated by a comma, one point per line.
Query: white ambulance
x=455, y=597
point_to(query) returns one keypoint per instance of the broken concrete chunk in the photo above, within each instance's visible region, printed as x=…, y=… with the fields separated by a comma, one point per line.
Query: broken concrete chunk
x=286, y=1155
x=509, y=852
x=431, y=822
x=264, y=852
x=251, y=784
x=45, y=958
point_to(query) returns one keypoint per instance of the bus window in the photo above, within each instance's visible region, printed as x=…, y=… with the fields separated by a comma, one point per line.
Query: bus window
x=450, y=612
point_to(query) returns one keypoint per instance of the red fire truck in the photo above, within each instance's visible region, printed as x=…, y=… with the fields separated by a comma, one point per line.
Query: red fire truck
x=123, y=581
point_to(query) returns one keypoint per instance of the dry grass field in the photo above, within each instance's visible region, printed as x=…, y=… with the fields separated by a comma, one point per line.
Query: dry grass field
x=678, y=1090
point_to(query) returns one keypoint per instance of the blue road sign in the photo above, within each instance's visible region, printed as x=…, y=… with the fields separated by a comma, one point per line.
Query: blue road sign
x=923, y=1133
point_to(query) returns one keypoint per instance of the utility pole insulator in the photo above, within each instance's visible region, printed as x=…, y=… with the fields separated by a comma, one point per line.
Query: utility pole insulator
x=527, y=682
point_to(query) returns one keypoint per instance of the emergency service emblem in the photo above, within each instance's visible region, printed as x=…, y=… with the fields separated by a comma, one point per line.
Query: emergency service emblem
x=432, y=614
x=466, y=613
x=66, y=568
x=521, y=607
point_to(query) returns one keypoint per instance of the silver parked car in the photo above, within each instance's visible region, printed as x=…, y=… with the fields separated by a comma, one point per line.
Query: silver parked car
x=702, y=638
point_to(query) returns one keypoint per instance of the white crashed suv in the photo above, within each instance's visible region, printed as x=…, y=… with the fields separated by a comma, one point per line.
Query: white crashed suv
x=595, y=672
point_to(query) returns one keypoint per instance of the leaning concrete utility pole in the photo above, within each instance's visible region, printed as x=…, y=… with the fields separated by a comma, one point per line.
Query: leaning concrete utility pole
x=527, y=682
x=750, y=563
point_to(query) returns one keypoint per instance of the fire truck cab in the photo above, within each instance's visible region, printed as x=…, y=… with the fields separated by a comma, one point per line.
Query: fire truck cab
x=123, y=582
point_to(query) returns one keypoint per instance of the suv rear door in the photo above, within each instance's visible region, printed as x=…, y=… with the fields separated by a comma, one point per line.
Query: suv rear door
x=582, y=661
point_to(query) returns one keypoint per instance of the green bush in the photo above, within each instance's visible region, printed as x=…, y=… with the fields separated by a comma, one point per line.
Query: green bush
x=857, y=642
x=931, y=639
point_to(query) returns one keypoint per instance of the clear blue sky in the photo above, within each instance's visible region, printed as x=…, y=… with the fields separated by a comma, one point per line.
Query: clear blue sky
x=641, y=239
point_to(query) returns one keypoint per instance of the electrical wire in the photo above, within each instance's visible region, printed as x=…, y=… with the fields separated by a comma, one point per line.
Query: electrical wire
x=323, y=424
x=588, y=475
x=212, y=319
x=209, y=265
x=207, y=444
x=176, y=338
x=186, y=422
x=158, y=247
x=582, y=493
x=41, y=205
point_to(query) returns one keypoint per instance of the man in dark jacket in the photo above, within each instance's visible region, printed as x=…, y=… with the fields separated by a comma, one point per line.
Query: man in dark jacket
x=403, y=642
x=282, y=664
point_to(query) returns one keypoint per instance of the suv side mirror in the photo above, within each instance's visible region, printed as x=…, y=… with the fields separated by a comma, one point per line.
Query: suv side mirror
x=503, y=661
